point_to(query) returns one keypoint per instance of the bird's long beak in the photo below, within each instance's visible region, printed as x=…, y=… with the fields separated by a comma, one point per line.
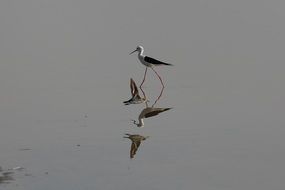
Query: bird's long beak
x=133, y=51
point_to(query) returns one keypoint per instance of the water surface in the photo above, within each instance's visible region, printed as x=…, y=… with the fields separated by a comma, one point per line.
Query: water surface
x=65, y=71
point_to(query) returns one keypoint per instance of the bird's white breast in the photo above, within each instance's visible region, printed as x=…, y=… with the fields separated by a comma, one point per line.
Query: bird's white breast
x=141, y=58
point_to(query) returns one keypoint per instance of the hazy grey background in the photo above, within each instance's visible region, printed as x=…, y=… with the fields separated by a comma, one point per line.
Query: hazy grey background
x=62, y=59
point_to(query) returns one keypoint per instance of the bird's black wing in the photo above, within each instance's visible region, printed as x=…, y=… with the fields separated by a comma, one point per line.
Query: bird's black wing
x=155, y=61
x=155, y=112
x=151, y=114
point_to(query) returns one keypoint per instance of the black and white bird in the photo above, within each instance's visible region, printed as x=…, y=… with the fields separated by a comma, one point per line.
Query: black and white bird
x=148, y=112
x=149, y=62
x=136, y=98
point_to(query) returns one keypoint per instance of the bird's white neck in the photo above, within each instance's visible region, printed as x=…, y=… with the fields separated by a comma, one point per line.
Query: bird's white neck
x=140, y=54
x=141, y=123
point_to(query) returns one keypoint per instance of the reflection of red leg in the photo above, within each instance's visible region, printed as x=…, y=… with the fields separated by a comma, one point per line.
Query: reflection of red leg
x=158, y=96
x=143, y=77
x=158, y=77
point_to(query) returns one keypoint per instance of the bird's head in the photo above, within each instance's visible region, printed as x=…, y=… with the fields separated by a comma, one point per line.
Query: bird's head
x=137, y=124
x=139, y=49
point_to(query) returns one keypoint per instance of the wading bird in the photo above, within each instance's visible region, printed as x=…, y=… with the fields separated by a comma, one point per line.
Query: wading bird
x=148, y=62
x=148, y=112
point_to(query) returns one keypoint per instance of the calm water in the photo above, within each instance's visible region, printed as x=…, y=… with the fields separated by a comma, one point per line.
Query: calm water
x=215, y=137
x=65, y=72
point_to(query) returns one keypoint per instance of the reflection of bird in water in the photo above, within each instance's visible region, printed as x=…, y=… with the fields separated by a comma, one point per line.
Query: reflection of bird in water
x=148, y=112
x=136, y=141
x=136, y=98
x=148, y=62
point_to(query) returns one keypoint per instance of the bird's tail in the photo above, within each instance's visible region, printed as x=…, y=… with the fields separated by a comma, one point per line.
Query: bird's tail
x=165, y=109
x=169, y=64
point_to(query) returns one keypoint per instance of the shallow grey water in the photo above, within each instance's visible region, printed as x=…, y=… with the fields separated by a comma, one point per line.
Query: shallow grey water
x=65, y=72
x=213, y=138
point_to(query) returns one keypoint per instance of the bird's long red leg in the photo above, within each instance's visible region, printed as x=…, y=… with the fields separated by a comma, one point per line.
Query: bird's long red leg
x=158, y=77
x=143, y=77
